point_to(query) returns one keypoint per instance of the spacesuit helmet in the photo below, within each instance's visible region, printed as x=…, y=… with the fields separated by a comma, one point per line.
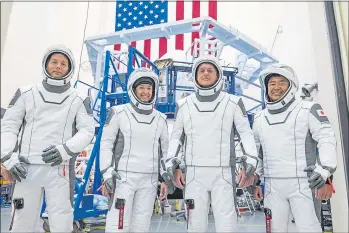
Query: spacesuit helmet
x=286, y=72
x=142, y=76
x=58, y=49
x=218, y=85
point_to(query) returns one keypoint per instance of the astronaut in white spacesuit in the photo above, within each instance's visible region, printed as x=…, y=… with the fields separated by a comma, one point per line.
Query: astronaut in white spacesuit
x=133, y=148
x=53, y=123
x=207, y=122
x=288, y=134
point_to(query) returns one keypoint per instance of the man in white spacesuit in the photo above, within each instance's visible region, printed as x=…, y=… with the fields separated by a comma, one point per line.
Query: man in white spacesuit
x=207, y=122
x=44, y=128
x=288, y=134
x=133, y=148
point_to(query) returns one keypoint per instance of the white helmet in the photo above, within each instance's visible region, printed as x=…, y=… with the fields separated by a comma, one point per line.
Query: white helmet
x=65, y=51
x=218, y=85
x=138, y=76
x=289, y=74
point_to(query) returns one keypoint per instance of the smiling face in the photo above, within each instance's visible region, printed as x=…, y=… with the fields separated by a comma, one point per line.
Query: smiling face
x=58, y=66
x=144, y=92
x=277, y=86
x=207, y=75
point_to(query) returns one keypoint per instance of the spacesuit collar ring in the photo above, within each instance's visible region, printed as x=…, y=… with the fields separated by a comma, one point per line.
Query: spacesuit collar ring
x=56, y=89
x=284, y=108
x=141, y=111
x=208, y=98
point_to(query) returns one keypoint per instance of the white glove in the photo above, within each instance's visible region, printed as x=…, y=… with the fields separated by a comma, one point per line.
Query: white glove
x=15, y=168
x=318, y=176
x=55, y=155
x=109, y=178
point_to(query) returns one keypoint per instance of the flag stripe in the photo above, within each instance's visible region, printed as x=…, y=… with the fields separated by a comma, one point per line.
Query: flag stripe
x=212, y=9
x=195, y=14
x=179, y=44
x=212, y=12
x=134, y=44
x=147, y=48
x=117, y=47
x=162, y=47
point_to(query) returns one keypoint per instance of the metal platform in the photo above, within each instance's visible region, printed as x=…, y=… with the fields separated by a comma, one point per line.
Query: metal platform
x=206, y=26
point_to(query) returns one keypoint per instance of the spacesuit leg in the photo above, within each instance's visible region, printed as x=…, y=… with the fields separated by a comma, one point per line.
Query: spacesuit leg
x=223, y=202
x=275, y=198
x=195, y=190
x=30, y=190
x=142, y=210
x=123, y=190
x=303, y=209
x=59, y=198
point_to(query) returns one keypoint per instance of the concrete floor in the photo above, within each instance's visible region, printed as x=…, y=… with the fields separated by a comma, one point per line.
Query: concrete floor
x=164, y=223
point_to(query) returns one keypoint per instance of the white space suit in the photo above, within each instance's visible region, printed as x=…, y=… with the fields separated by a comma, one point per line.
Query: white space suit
x=288, y=133
x=206, y=123
x=50, y=115
x=134, y=143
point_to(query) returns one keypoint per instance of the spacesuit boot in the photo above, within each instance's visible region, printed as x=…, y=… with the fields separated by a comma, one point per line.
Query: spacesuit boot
x=136, y=213
x=31, y=191
x=291, y=195
x=215, y=185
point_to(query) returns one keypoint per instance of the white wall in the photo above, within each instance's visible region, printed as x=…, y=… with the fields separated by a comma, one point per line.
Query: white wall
x=327, y=98
x=6, y=8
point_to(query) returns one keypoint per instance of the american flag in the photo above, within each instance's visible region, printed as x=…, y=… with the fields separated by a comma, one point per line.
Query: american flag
x=142, y=13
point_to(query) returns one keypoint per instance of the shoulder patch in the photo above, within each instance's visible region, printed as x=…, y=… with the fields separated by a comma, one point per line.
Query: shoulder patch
x=317, y=111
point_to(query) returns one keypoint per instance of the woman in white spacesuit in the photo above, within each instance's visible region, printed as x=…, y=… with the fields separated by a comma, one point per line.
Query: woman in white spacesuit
x=55, y=123
x=207, y=122
x=133, y=148
x=297, y=167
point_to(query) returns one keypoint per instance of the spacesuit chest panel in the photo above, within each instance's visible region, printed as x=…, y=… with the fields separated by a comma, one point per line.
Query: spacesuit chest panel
x=282, y=138
x=208, y=126
x=50, y=119
x=141, y=141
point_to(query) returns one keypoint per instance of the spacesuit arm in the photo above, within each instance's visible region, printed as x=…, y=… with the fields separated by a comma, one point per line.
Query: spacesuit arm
x=259, y=169
x=243, y=127
x=110, y=132
x=322, y=132
x=11, y=124
x=85, y=132
x=176, y=140
x=163, y=143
